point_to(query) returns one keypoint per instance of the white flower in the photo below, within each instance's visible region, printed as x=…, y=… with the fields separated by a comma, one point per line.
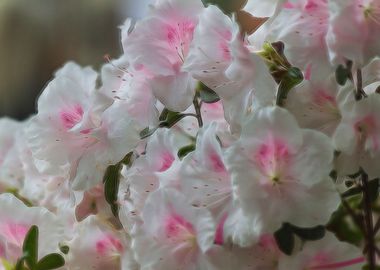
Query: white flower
x=358, y=137
x=280, y=172
x=220, y=59
x=96, y=246
x=16, y=220
x=160, y=44
x=174, y=234
x=76, y=127
x=359, y=42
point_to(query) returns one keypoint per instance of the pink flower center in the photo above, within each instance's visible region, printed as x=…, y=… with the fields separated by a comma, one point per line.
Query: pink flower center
x=179, y=37
x=71, y=116
x=326, y=101
x=167, y=160
x=272, y=158
x=217, y=163
x=14, y=232
x=178, y=229
x=109, y=246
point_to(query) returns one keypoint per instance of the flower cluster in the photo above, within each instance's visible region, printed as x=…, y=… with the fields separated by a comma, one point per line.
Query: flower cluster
x=221, y=138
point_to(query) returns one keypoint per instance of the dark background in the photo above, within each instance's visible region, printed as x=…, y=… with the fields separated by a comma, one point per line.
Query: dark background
x=39, y=36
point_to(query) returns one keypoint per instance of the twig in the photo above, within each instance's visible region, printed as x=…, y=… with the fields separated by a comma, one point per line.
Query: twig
x=197, y=108
x=359, y=93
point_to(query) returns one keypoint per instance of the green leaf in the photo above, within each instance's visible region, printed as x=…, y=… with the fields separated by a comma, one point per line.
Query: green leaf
x=285, y=239
x=164, y=114
x=352, y=192
x=342, y=225
x=207, y=95
x=30, y=247
x=185, y=150
x=20, y=264
x=147, y=132
x=111, y=187
x=128, y=159
x=172, y=118
x=50, y=261
x=342, y=74
x=309, y=234
x=293, y=77
x=65, y=249
x=227, y=6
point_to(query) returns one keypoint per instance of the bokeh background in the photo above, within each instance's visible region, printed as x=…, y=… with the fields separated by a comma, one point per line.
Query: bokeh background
x=39, y=36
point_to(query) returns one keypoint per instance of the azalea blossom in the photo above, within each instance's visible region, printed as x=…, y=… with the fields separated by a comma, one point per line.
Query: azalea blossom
x=16, y=220
x=360, y=43
x=270, y=176
x=181, y=233
x=160, y=44
x=357, y=137
x=81, y=128
x=220, y=59
x=179, y=155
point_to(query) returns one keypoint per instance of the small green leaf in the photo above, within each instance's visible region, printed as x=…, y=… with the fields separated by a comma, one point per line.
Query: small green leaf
x=227, y=6
x=342, y=74
x=50, y=261
x=128, y=159
x=65, y=249
x=111, y=187
x=207, y=95
x=172, y=119
x=293, y=77
x=352, y=192
x=164, y=114
x=30, y=247
x=147, y=132
x=285, y=239
x=185, y=150
x=309, y=234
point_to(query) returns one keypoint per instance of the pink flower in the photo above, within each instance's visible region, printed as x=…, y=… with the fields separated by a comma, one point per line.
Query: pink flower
x=160, y=44
x=353, y=31
x=276, y=166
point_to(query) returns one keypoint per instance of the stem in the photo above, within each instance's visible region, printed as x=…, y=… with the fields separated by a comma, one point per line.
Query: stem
x=370, y=235
x=377, y=227
x=359, y=94
x=197, y=108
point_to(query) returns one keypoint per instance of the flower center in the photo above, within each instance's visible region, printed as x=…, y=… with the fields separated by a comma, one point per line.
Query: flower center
x=71, y=116
x=272, y=158
x=178, y=230
x=179, y=38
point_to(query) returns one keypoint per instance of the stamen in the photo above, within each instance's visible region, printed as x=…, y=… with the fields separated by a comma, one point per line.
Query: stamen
x=107, y=58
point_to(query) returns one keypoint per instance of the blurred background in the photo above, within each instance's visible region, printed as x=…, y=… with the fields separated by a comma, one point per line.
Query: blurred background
x=37, y=37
